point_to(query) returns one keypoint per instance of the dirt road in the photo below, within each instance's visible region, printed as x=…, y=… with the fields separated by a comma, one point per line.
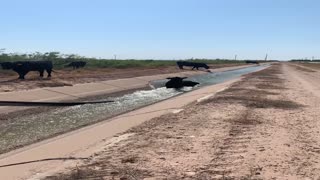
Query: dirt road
x=264, y=127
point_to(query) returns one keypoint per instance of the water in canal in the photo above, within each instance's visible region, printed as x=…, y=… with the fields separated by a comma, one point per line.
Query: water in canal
x=31, y=128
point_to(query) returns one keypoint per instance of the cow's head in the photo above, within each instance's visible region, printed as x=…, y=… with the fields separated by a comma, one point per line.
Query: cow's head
x=206, y=66
x=6, y=65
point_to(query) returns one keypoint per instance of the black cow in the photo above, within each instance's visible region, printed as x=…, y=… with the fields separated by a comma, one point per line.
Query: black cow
x=177, y=83
x=252, y=62
x=192, y=64
x=6, y=65
x=77, y=64
x=23, y=67
x=189, y=83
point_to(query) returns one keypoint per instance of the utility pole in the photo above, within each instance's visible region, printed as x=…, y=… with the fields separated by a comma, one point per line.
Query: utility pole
x=265, y=59
x=235, y=57
x=115, y=57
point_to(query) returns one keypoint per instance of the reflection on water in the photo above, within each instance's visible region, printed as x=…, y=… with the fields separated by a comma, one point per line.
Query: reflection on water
x=31, y=128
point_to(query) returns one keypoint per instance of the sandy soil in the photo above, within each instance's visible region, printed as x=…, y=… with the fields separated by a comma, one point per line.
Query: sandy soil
x=263, y=127
x=69, y=77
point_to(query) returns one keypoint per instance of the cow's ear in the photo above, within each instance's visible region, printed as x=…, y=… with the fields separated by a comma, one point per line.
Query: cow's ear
x=184, y=77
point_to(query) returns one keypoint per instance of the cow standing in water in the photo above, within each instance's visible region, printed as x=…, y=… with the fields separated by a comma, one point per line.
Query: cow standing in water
x=178, y=82
x=24, y=67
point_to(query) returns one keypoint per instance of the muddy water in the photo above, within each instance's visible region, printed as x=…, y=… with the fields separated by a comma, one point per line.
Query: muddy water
x=32, y=128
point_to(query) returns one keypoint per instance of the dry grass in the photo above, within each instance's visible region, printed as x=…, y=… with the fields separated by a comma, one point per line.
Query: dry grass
x=266, y=85
x=267, y=103
x=92, y=172
x=255, y=101
x=130, y=159
x=245, y=118
x=304, y=69
x=264, y=80
x=315, y=66
x=249, y=91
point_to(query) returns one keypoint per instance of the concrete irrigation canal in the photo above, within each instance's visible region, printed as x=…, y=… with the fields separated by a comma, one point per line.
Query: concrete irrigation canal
x=31, y=128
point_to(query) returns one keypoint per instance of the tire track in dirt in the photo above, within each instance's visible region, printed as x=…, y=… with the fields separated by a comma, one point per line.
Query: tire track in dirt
x=233, y=150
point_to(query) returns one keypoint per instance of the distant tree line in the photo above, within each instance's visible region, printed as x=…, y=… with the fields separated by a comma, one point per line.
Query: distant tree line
x=305, y=60
x=40, y=56
x=57, y=58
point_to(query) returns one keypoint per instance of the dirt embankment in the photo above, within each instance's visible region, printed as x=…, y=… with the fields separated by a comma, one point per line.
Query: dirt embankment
x=69, y=77
x=263, y=127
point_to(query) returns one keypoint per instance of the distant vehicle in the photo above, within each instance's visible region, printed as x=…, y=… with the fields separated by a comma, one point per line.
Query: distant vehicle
x=23, y=67
x=192, y=64
x=77, y=64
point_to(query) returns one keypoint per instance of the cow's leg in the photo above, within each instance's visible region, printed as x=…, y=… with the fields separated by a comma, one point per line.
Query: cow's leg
x=21, y=75
x=41, y=73
x=49, y=72
x=193, y=67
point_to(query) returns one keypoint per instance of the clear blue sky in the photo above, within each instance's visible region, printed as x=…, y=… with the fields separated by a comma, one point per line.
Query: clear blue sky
x=163, y=29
